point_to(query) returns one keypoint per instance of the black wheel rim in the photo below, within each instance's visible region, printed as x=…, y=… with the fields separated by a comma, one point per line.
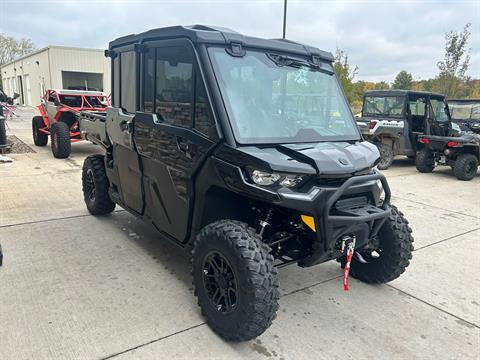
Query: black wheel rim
x=220, y=283
x=373, y=251
x=90, y=185
x=470, y=168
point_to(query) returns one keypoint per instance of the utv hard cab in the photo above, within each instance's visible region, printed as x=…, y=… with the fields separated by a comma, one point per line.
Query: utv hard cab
x=245, y=151
x=393, y=120
x=466, y=113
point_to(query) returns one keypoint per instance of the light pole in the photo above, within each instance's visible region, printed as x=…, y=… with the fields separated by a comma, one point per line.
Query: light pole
x=284, y=18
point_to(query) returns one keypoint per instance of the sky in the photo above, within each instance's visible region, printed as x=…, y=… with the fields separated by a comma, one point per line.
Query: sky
x=380, y=37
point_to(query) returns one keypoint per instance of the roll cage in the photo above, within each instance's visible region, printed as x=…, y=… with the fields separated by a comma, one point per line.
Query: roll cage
x=78, y=100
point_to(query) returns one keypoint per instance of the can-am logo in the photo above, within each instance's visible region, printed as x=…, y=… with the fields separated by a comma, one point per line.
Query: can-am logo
x=343, y=161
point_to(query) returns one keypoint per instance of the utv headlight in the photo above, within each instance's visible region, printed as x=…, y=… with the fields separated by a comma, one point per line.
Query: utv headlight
x=291, y=180
x=266, y=178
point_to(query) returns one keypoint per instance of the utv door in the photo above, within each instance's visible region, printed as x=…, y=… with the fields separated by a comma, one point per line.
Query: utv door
x=438, y=117
x=171, y=147
x=416, y=117
x=127, y=177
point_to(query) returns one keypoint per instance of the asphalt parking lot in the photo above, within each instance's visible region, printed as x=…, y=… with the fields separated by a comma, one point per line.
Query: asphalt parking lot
x=74, y=286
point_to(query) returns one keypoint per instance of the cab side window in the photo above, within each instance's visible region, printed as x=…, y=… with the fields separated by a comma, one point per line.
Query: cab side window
x=174, y=85
x=149, y=81
x=128, y=81
x=204, y=121
x=417, y=107
x=174, y=90
x=116, y=81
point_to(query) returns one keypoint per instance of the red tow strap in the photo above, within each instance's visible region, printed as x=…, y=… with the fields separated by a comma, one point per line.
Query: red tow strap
x=346, y=269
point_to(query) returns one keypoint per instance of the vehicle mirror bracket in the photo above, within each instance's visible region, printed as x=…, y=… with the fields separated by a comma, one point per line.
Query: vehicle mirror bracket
x=236, y=49
x=110, y=53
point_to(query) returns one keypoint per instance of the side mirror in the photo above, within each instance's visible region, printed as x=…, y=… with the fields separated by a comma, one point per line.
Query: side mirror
x=16, y=96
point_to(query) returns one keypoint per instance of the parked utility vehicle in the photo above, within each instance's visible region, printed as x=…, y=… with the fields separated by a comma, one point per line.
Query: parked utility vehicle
x=58, y=118
x=461, y=153
x=393, y=120
x=466, y=113
x=244, y=150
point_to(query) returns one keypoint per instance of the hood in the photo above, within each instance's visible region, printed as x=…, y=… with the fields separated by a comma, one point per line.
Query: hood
x=324, y=159
x=334, y=158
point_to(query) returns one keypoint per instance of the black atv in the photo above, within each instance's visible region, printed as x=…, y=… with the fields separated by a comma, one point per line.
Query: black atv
x=461, y=153
x=443, y=143
x=393, y=120
x=243, y=150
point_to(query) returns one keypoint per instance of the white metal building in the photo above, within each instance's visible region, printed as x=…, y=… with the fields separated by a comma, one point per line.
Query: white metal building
x=55, y=67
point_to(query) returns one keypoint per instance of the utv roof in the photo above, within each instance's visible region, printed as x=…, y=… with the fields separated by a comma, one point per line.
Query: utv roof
x=464, y=101
x=395, y=92
x=220, y=36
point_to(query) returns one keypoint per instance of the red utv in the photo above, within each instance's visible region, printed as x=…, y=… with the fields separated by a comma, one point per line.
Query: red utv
x=59, y=111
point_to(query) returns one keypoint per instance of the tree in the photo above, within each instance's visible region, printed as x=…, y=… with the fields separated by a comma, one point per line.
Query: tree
x=403, y=81
x=456, y=62
x=381, y=85
x=11, y=48
x=345, y=73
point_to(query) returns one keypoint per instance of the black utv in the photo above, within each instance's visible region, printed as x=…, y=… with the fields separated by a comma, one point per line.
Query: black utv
x=461, y=153
x=243, y=150
x=443, y=143
x=393, y=120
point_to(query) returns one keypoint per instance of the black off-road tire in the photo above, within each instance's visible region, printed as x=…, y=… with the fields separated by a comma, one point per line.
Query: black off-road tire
x=396, y=245
x=424, y=161
x=93, y=174
x=255, y=278
x=60, y=141
x=3, y=133
x=39, y=138
x=465, y=167
x=386, y=156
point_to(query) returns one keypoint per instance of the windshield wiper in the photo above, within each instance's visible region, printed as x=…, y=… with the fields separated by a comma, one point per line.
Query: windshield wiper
x=282, y=60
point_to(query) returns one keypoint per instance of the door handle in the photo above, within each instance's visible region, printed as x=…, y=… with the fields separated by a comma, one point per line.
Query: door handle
x=182, y=145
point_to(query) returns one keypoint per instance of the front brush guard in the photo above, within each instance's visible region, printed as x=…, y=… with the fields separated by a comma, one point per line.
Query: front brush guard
x=335, y=226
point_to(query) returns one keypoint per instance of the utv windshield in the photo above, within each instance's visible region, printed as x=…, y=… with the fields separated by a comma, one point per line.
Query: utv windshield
x=388, y=106
x=278, y=99
x=469, y=111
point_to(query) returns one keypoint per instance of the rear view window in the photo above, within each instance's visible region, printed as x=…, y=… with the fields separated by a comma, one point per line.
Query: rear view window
x=383, y=105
